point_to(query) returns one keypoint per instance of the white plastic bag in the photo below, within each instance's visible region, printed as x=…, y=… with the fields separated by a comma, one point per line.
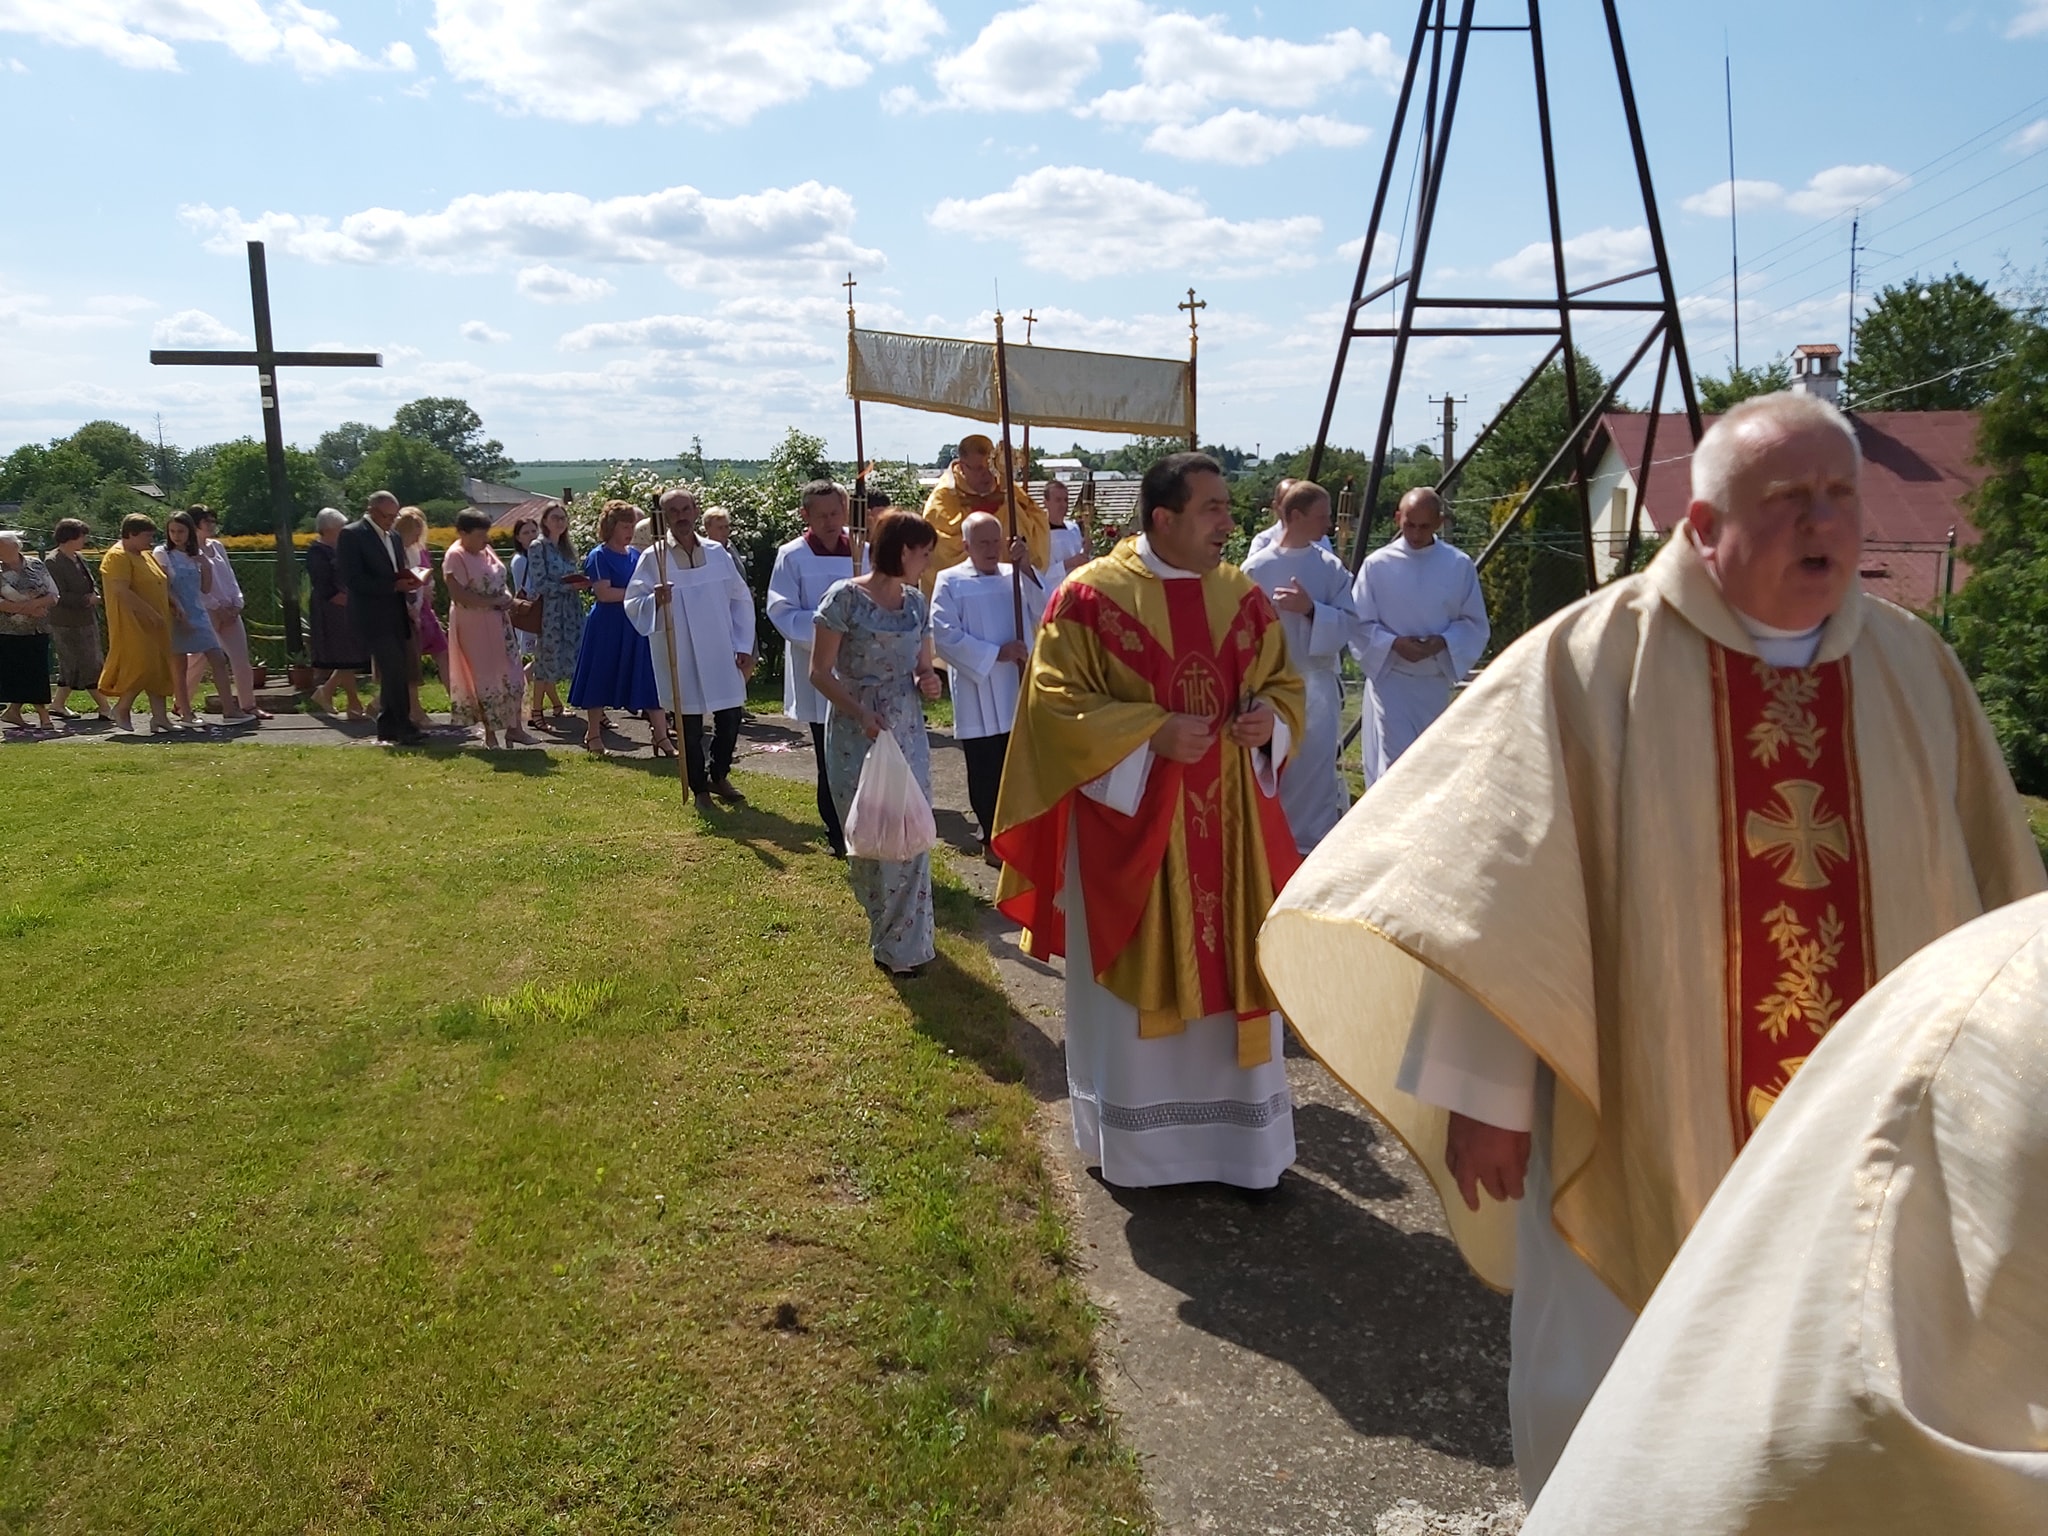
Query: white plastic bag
x=890, y=819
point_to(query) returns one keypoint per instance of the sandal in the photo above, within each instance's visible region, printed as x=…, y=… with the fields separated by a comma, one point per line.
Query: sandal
x=664, y=749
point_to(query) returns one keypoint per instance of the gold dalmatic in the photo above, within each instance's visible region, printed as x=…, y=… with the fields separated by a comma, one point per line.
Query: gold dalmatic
x=1794, y=871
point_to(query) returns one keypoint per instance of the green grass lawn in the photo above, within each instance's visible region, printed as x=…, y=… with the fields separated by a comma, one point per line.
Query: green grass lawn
x=477, y=1142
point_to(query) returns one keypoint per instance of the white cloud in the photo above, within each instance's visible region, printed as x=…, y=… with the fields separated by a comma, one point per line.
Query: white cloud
x=1834, y=190
x=1082, y=222
x=752, y=330
x=616, y=61
x=479, y=330
x=34, y=313
x=551, y=285
x=1186, y=63
x=1588, y=258
x=141, y=34
x=1036, y=57
x=15, y=66
x=2032, y=20
x=1238, y=137
x=1749, y=196
x=1842, y=187
x=785, y=232
x=663, y=332
x=196, y=328
x=2030, y=138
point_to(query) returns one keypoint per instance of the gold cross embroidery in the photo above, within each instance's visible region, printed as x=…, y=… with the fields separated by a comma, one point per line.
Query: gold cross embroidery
x=1795, y=840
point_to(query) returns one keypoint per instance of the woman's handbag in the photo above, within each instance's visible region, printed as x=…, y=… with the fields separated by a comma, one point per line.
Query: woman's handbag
x=890, y=819
x=526, y=615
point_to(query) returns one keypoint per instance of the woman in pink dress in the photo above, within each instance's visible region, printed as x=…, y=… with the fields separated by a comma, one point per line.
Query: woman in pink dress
x=485, y=683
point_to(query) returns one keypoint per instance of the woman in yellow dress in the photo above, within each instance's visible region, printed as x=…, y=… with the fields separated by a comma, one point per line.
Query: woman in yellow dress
x=138, y=605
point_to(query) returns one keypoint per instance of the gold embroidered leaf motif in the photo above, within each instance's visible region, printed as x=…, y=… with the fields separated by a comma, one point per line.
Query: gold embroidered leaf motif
x=1788, y=719
x=1203, y=806
x=1209, y=909
x=1802, y=995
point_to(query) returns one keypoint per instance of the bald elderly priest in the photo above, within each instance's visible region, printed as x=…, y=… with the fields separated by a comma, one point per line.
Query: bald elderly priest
x=1578, y=940
x=1143, y=840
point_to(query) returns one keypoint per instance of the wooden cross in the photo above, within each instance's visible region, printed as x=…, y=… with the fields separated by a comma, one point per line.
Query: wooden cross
x=266, y=360
x=1030, y=320
x=1191, y=306
x=1795, y=838
x=849, y=285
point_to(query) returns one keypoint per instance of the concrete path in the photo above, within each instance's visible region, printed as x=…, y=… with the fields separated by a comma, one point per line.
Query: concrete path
x=1320, y=1363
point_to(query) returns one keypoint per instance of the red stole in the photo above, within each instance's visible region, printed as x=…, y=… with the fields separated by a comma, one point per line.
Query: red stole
x=1795, y=874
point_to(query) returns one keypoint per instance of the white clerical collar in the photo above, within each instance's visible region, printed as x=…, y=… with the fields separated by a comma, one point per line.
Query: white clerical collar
x=1781, y=647
x=1159, y=567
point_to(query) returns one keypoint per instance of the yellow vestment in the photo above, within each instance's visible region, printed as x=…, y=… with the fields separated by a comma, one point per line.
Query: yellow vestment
x=1555, y=846
x=951, y=502
x=1174, y=892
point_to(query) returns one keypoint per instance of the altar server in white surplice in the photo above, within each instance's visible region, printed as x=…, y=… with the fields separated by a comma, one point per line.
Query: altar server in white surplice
x=1069, y=548
x=711, y=632
x=1421, y=627
x=1312, y=590
x=975, y=629
x=804, y=568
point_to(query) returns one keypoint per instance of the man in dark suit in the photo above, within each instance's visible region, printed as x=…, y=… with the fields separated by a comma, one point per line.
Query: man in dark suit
x=375, y=576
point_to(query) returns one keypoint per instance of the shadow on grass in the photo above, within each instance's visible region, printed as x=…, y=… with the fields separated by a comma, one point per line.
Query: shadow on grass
x=1389, y=1326
x=970, y=1017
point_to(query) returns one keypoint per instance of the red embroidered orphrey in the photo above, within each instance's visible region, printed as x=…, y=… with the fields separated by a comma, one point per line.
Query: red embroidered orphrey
x=1795, y=871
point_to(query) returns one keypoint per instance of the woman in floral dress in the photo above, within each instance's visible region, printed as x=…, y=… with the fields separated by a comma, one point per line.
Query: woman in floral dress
x=485, y=683
x=871, y=658
x=549, y=560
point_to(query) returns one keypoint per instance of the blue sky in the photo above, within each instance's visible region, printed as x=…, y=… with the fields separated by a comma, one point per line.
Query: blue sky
x=616, y=225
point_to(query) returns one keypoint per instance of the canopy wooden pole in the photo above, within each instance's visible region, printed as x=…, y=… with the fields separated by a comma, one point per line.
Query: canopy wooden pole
x=1194, y=341
x=857, y=508
x=1009, y=480
x=667, y=610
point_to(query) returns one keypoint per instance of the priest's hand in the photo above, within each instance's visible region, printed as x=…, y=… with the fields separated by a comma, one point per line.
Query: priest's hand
x=1482, y=1156
x=1184, y=738
x=1288, y=597
x=1013, y=650
x=1253, y=727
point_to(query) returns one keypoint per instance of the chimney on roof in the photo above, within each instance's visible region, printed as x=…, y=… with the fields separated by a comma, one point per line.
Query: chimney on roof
x=1817, y=370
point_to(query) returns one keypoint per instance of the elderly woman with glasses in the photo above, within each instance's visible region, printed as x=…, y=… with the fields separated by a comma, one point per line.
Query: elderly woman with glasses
x=27, y=594
x=338, y=654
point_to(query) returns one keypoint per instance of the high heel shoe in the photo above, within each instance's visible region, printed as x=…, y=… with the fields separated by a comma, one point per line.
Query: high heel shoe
x=664, y=749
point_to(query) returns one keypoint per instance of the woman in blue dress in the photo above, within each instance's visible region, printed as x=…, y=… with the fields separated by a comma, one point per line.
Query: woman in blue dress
x=871, y=657
x=615, y=665
x=191, y=578
x=549, y=560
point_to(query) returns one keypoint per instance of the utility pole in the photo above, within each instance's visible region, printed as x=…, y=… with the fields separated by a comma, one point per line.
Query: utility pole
x=1450, y=425
x=1855, y=228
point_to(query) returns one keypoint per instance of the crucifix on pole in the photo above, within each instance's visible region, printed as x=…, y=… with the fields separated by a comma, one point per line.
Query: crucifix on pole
x=1030, y=319
x=857, y=504
x=266, y=360
x=1191, y=306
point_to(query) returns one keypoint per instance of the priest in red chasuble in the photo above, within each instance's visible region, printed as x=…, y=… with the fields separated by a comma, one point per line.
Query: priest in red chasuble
x=972, y=483
x=1142, y=839
x=1578, y=940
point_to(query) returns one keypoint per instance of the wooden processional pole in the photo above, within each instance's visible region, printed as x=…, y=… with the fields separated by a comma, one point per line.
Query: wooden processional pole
x=1009, y=481
x=667, y=611
x=1192, y=304
x=857, y=509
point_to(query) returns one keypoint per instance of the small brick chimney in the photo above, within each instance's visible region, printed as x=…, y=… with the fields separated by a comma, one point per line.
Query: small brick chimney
x=1817, y=370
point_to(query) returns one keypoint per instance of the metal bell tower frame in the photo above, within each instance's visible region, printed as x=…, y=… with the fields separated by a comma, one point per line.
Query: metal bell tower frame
x=1436, y=33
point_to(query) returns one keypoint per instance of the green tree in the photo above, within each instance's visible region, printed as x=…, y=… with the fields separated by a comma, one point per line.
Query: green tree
x=1739, y=383
x=1922, y=346
x=120, y=453
x=235, y=482
x=451, y=426
x=1541, y=567
x=410, y=468
x=342, y=449
x=2001, y=617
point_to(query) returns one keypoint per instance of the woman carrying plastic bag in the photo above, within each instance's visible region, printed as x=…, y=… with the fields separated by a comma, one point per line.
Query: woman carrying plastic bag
x=871, y=657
